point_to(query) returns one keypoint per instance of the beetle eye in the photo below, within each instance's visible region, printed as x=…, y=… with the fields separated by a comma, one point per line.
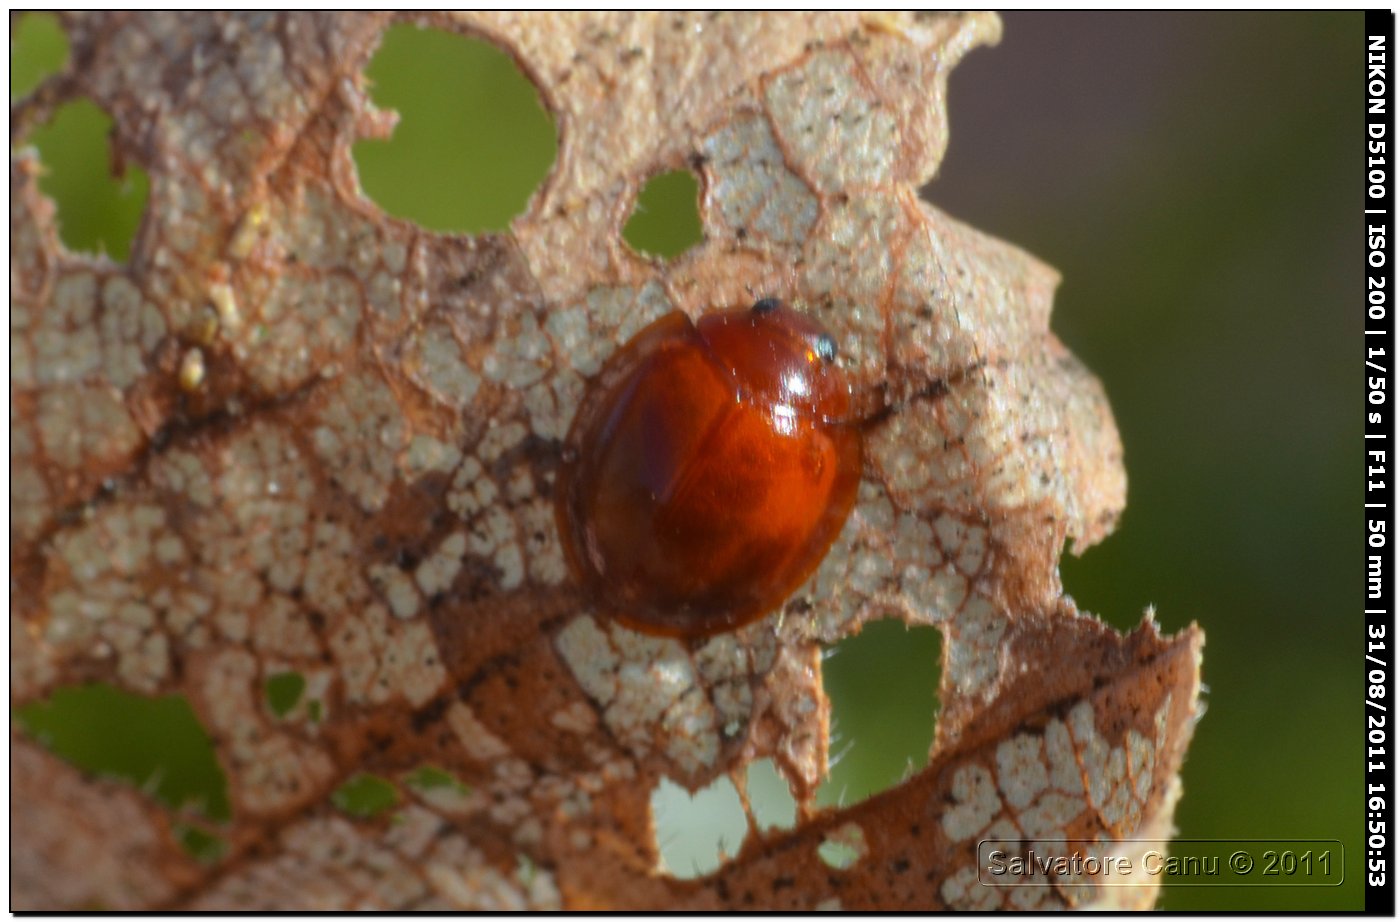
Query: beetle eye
x=766, y=305
x=826, y=348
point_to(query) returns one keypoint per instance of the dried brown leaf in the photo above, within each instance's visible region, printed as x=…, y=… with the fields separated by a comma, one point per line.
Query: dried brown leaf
x=292, y=433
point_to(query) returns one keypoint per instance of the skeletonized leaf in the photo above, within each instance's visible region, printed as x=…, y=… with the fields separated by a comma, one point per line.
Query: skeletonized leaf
x=294, y=435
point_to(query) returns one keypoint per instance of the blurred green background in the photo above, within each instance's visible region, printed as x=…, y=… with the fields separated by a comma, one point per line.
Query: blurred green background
x=1195, y=177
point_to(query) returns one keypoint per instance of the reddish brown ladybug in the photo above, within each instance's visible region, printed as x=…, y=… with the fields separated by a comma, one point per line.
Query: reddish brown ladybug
x=709, y=468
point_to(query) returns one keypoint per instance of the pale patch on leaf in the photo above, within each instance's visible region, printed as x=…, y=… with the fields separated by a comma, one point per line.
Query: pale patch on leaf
x=352, y=483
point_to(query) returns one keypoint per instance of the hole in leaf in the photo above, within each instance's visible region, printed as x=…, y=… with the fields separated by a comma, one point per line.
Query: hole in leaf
x=473, y=141
x=97, y=211
x=432, y=778
x=200, y=844
x=283, y=691
x=365, y=796
x=770, y=798
x=695, y=835
x=155, y=743
x=665, y=221
x=883, y=686
x=525, y=869
x=38, y=50
x=843, y=847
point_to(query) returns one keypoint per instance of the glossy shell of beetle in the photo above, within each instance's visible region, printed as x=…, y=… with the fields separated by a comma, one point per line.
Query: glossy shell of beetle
x=709, y=468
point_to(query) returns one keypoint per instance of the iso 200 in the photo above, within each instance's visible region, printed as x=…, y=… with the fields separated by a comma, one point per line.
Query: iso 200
x=1289, y=863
